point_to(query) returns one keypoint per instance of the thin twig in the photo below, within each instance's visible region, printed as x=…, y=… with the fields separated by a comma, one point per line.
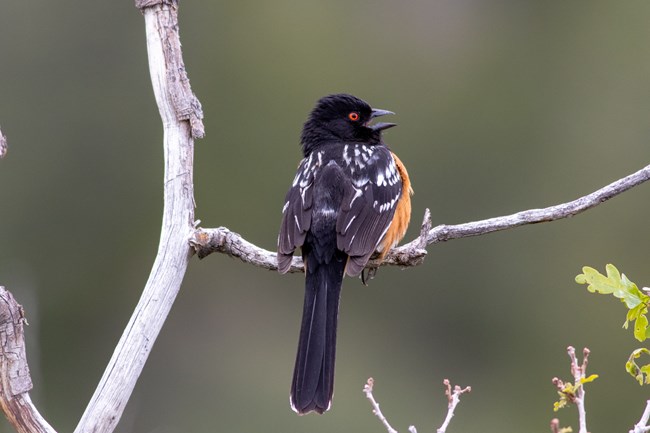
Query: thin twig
x=579, y=373
x=574, y=392
x=210, y=240
x=367, y=389
x=642, y=425
x=453, y=398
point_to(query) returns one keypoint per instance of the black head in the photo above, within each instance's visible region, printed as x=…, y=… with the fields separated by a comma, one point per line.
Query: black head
x=342, y=118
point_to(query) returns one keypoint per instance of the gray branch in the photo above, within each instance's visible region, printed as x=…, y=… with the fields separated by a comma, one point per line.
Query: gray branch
x=15, y=381
x=181, y=116
x=222, y=240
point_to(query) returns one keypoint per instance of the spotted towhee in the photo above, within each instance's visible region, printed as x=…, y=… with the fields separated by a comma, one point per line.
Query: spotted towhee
x=350, y=198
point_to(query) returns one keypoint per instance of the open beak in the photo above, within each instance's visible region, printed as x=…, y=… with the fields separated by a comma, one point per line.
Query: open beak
x=380, y=126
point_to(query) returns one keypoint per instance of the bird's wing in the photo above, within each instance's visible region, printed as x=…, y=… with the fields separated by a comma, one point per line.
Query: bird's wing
x=368, y=208
x=296, y=213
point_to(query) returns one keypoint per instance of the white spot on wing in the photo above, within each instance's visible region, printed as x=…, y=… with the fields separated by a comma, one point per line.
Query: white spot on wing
x=360, y=182
x=382, y=237
x=388, y=205
x=357, y=194
x=303, y=191
x=286, y=205
x=391, y=173
x=346, y=157
x=350, y=223
x=380, y=179
x=297, y=178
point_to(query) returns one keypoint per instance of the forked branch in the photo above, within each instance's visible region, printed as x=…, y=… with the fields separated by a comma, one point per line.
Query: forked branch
x=453, y=398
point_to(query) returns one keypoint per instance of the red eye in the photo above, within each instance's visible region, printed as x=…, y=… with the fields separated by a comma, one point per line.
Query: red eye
x=353, y=116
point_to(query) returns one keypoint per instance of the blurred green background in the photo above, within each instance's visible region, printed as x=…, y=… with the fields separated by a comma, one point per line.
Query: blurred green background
x=501, y=105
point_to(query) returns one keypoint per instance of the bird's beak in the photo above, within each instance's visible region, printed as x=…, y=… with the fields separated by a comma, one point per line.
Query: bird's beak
x=379, y=126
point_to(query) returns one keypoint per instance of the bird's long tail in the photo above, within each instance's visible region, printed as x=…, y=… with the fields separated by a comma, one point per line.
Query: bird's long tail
x=313, y=375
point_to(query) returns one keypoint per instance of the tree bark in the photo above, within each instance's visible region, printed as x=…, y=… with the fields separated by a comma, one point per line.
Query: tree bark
x=181, y=117
x=15, y=381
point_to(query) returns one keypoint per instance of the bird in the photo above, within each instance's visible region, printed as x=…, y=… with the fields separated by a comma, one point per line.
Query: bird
x=349, y=200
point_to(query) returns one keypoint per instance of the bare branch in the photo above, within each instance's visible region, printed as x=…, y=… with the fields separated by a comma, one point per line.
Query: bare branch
x=3, y=145
x=454, y=399
x=184, y=103
x=453, y=396
x=222, y=240
x=15, y=381
x=534, y=216
x=574, y=392
x=367, y=390
x=207, y=241
x=579, y=374
x=642, y=425
x=181, y=117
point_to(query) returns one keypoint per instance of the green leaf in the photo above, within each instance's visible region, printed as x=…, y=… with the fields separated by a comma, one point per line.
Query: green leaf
x=641, y=327
x=613, y=283
x=589, y=379
x=638, y=313
x=640, y=373
x=618, y=285
x=645, y=370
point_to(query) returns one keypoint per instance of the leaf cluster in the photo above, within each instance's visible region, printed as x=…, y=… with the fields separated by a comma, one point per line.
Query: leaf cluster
x=568, y=391
x=618, y=285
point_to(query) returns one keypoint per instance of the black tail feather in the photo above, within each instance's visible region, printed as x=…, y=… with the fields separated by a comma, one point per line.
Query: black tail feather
x=313, y=376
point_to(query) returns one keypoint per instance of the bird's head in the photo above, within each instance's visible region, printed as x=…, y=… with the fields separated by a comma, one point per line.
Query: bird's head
x=342, y=118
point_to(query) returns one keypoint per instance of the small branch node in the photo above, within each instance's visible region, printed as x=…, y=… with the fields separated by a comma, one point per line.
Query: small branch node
x=425, y=229
x=555, y=425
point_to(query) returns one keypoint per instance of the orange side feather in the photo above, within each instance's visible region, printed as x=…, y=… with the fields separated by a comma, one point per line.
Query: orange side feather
x=400, y=223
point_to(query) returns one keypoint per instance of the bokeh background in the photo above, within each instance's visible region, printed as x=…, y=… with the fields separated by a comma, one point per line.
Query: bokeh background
x=502, y=106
